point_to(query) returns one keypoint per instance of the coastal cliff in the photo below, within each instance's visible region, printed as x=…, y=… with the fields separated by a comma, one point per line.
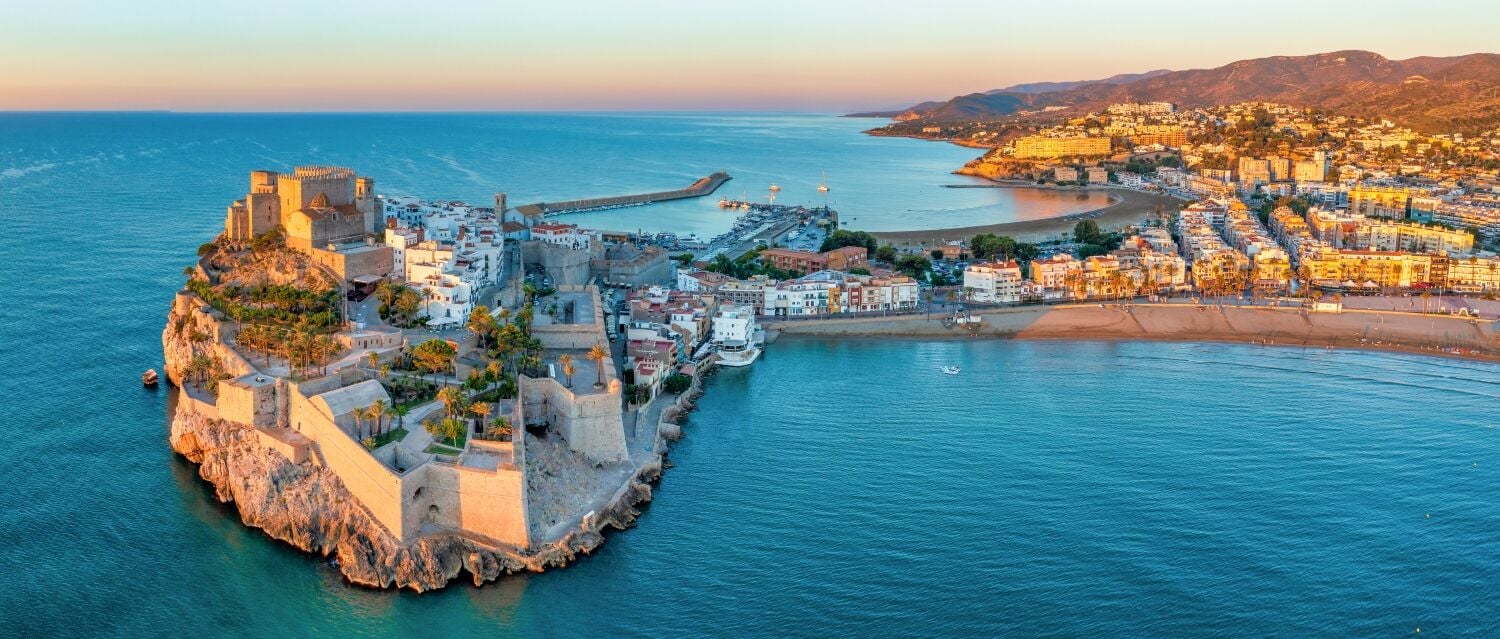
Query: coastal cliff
x=307, y=506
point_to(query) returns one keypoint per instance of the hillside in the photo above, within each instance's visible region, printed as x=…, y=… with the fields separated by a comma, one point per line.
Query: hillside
x=1459, y=93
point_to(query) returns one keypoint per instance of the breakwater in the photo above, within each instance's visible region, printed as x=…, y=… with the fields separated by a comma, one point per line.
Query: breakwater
x=703, y=186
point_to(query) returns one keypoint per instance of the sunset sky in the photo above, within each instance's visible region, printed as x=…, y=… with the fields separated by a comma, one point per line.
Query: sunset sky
x=272, y=55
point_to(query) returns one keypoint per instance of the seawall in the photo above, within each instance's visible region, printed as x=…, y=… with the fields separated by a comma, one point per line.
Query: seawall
x=1286, y=326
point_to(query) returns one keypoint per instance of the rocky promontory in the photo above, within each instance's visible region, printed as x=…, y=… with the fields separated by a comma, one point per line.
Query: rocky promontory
x=307, y=506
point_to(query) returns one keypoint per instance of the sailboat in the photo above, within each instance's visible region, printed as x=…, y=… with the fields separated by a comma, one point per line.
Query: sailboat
x=823, y=186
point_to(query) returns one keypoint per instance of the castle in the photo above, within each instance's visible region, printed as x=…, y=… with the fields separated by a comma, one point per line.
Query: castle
x=324, y=211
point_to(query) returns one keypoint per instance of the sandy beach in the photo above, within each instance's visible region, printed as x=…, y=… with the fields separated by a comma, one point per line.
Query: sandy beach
x=1128, y=207
x=1439, y=335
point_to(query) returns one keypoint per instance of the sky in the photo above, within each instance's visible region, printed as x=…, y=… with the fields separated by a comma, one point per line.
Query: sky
x=591, y=55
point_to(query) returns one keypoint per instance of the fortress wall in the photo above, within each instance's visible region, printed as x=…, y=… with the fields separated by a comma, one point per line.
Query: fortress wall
x=564, y=265
x=377, y=487
x=591, y=423
x=489, y=503
x=346, y=265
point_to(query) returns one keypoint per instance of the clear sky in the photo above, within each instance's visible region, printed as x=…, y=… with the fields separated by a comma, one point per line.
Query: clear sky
x=834, y=55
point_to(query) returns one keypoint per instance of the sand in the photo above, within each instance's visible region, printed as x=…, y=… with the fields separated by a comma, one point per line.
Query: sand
x=1129, y=207
x=1382, y=330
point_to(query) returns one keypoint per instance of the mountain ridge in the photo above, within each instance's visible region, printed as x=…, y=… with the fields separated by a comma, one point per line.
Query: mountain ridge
x=1426, y=92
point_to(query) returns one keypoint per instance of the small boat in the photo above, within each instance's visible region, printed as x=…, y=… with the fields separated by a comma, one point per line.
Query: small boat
x=823, y=186
x=774, y=187
x=724, y=202
x=950, y=370
x=149, y=378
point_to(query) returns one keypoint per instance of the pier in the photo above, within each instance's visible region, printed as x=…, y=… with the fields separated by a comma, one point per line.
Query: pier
x=704, y=186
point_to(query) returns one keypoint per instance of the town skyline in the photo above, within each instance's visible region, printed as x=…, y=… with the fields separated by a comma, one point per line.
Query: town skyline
x=776, y=56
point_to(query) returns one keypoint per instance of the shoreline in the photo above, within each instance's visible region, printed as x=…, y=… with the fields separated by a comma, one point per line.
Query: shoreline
x=1443, y=336
x=1128, y=207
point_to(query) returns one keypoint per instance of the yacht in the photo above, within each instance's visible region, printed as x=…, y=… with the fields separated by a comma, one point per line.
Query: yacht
x=823, y=186
x=950, y=370
x=774, y=187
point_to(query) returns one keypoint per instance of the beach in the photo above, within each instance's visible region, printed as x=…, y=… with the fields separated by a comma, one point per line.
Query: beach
x=1128, y=207
x=1428, y=334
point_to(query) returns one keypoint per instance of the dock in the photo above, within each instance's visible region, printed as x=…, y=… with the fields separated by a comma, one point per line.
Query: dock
x=704, y=186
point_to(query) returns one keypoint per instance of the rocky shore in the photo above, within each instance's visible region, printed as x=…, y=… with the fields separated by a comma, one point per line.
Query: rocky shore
x=308, y=507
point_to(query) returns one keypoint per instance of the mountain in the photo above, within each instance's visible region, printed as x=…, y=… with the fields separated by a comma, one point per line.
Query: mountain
x=1459, y=93
x=1048, y=87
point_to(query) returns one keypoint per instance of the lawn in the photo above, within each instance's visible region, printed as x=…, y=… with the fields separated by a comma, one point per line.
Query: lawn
x=395, y=435
x=439, y=449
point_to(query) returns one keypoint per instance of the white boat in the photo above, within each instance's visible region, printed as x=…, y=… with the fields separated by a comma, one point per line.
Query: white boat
x=823, y=186
x=775, y=188
x=950, y=370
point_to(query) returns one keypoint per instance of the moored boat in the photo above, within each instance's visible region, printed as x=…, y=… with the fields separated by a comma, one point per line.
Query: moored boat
x=149, y=378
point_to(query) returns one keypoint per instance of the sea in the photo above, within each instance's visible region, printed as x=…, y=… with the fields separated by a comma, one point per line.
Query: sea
x=838, y=487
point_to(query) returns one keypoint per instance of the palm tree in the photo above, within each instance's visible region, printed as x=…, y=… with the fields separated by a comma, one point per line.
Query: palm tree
x=359, y=421
x=500, y=426
x=373, y=358
x=566, y=361
x=480, y=410
x=400, y=411
x=597, y=355
x=378, y=411
x=452, y=399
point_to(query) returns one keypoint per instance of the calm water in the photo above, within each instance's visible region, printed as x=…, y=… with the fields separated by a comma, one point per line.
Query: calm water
x=835, y=488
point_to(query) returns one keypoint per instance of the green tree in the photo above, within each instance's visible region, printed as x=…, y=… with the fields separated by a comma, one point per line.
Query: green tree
x=916, y=266
x=841, y=238
x=676, y=383
x=433, y=356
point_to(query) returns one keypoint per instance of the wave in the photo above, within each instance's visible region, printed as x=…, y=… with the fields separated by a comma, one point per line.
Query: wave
x=19, y=172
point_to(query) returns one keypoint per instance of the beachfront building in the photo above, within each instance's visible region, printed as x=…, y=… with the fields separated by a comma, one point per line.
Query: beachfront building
x=1385, y=235
x=1057, y=275
x=863, y=294
x=994, y=282
x=1039, y=146
x=1369, y=269
x=1065, y=174
x=801, y=298
x=1474, y=274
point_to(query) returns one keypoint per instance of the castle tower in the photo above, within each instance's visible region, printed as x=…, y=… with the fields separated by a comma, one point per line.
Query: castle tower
x=365, y=203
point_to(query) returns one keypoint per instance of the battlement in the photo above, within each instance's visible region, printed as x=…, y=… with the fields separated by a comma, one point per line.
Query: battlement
x=323, y=172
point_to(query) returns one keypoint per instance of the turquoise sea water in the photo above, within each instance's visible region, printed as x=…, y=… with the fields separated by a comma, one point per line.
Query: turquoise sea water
x=834, y=488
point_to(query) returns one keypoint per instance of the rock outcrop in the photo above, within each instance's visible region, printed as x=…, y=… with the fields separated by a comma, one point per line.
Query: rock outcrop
x=307, y=506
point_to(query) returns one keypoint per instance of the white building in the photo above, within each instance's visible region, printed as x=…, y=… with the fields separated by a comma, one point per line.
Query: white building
x=994, y=283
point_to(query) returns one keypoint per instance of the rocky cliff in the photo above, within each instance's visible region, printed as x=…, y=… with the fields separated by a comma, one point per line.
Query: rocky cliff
x=307, y=506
